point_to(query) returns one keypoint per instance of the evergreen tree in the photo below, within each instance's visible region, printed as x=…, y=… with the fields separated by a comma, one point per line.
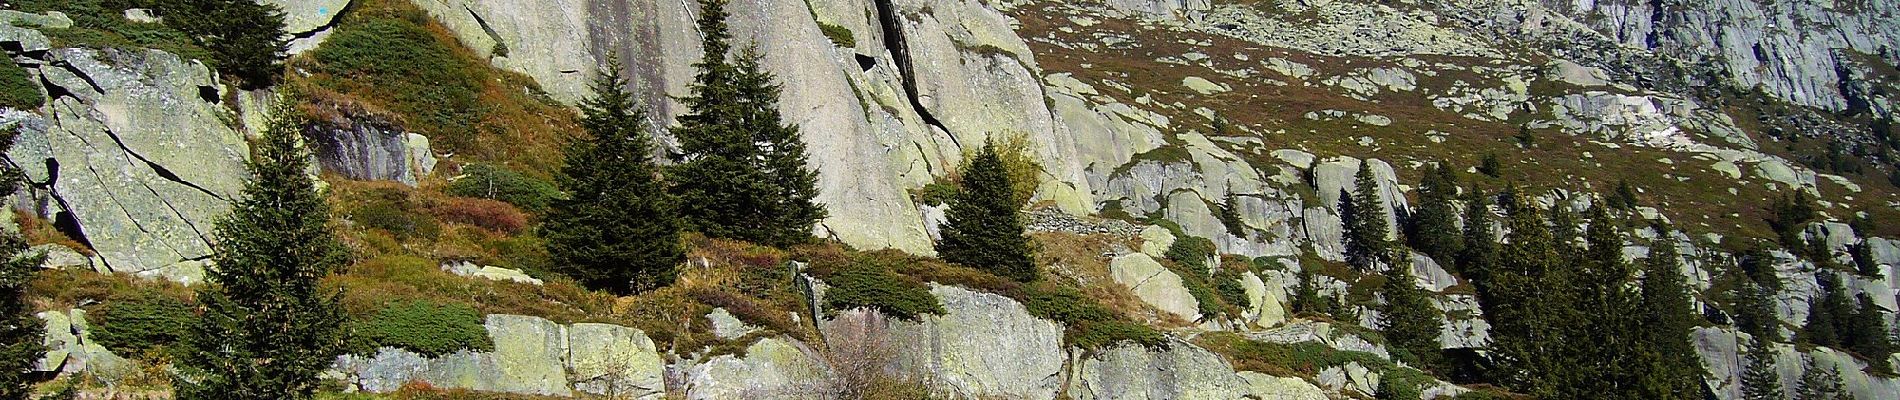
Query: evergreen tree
x=984, y=226
x=1606, y=338
x=1867, y=334
x=1564, y=230
x=1624, y=198
x=1228, y=211
x=20, y=331
x=245, y=37
x=1758, y=265
x=1479, y=256
x=1760, y=381
x=741, y=172
x=1819, y=383
x=1525, y=302
x=1411, y=323
x=1366, y=224
x=1491, y=166
x=618, y=229
x=1791, y=213
x=1306, y=296
x=1668, y=368
x=1434, y=230
x=1754, y=310
x=1829, y=313
x=267, y=329
x=791, y=207
x=1863, y=255
x=1398, y=389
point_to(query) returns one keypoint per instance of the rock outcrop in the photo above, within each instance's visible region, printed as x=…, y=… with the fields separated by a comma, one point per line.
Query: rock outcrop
x=71, y=350
x=133, y=150
x=1155, y=285
x=531, y=356
x=983, y=346
x=359, y=145
x=1179, y=371
x=772, y=368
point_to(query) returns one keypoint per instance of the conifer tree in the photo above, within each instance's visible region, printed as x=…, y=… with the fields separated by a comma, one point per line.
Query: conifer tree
x=20, y=331
x=1526, y=305
x=1366, y=224
x=1607, y=336
x=1791, y=213
x=617, y=230
x=1819, y=383
x=1564, y=230
x=1829, y=313
x=984, y=227
x=1864, y=263
x=246, y=37
x=1480, y=250
x=1668, y=368
x=1868, y=336
x=267, y=329
x=1306, y=296
x=1760, y=381
x=1754, y=310
x=1435, y=227
x=740, y=171
x=1624, y=198
x=1411, y=323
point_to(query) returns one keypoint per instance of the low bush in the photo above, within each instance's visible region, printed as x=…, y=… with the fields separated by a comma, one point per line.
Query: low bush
x=869, y=285
x=393, y=209
x=142, y=322
x=500, y=183
x=425, y=327
x=494, y=215
x=1100, y=334
x=839, y=35
x=1304, y=358
x=17, y=90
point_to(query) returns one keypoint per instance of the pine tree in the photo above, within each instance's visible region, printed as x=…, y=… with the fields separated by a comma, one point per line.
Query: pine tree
x=1434, y=230
x=1411, y=324
x=1819, y=383
x=1864, y=263
x=1760, y=381
x=1624, y=198
x=1564, y=230
x=1606, y=338
x=1867, y=334
x=246, y=37
x=1525, y=302
x=618, y=229
x=1398, y=389
x=1480, y=250
x=984, y=226
x=1367, y=226
x=1228, y=211
x=1828, y=314
x=1306, y=296
x=1668, y=368
x=1491, y=166
x=1754, y=310
x=20, y=331
x=267, y=329
x=1791, y=212
x=792, y=210
x=741, y=171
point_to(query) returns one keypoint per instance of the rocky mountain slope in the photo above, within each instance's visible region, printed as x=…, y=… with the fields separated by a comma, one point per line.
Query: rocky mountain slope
x=1149, y=118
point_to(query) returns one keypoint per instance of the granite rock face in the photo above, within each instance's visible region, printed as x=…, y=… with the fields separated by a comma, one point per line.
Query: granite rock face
x=134, y=150
x=532, y=356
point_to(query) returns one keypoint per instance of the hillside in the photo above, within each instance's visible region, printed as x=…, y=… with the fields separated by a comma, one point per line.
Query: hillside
x=1196, y=165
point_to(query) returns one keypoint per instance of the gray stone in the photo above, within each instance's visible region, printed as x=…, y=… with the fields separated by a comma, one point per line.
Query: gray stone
x=51, y=19
x=144, y=162
x=528, y=359
x=725, y=326
x=1266, y=387
x=1180, y=371
x=1203, y=86
x=772, y=368
x=614, y=361
x=361, y=145
x=386, y=371
x=58, y=256
x=71, y=351
x=1155, y=285
x=305, y=16
x=142, y=15
x=983, y=346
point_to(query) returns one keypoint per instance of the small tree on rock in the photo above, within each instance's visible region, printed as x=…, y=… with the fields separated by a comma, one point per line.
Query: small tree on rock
x=1435, y=227
x=618, y=229
x=20, y=331
x=1760, y=381
x=1367, y=226
x=1668, y=368
x=984, y=226
x=1819, y=382
x=267, y=328
x=1411, y=323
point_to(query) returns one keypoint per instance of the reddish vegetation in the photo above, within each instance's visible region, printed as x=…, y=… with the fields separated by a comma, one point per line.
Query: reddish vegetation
x=492, y=215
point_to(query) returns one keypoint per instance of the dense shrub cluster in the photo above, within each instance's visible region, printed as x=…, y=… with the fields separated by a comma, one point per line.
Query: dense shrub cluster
x=1090, y=325
x=501, y=183
x=17, y=90
x=144, y=321
x=870, y=285
x=424, y=327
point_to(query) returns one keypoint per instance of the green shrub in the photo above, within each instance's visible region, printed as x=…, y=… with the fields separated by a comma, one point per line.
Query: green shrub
x=936, y=193
x=500, y=183
x=840, y=35
x=1192, y=251
x=424, y=327
x=17, y=90
x=1097, y=335
x=141, y=322
x=396, y=60
x=393, y=210
x=1227, y=285
x=1066, y=305
x=874, y=286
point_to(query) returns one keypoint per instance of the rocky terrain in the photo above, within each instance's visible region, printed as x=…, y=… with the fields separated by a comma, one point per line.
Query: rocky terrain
x=1148, y=119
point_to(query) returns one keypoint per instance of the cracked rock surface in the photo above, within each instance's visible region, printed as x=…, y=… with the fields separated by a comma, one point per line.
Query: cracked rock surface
x=134, y=151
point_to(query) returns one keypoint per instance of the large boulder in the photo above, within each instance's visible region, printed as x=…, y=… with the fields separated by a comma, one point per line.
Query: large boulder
x=302, y=17
x=532, y=356
x=613, y=361
x=360, y=145
x=135, y=151
x=71, y=350
x=983, y=346
x=1722, y=353
x=1335, y=176
x=1181, y=370
x=772, y=368
x=1155, y=285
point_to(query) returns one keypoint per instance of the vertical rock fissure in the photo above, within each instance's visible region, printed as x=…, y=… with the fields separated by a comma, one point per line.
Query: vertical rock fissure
x=894, y=42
